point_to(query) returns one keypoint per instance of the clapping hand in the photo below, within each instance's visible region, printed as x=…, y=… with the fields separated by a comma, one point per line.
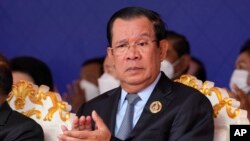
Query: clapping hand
x=81, y=130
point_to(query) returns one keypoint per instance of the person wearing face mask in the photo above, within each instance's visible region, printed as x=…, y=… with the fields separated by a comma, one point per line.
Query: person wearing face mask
x=240, y=79
x=167, y=68
x=86, y=87
x=108, y=80
x=14, y=126
x=178, y=53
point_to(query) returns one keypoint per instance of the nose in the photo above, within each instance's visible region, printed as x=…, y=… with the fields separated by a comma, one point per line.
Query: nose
x=133, y=53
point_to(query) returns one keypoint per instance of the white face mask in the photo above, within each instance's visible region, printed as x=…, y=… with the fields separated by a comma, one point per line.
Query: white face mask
x=179, y=72
x=167, y=68
x=91, y=90
x=239, y=77
x=107, y=82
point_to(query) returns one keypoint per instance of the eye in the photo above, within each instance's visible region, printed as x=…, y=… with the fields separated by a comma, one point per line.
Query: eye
x=121, y=46
x=142, y=44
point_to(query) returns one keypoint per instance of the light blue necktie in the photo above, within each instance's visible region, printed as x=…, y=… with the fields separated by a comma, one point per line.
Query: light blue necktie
x=127, y=122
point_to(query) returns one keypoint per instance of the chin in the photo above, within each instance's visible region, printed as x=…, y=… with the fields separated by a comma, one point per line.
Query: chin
x=136, y=80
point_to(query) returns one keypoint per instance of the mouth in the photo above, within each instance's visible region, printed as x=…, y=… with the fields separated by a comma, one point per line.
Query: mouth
x=133, y=69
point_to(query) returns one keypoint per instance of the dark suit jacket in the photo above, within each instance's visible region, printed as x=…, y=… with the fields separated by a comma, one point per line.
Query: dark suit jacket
x=17, y=127
x=186, y=115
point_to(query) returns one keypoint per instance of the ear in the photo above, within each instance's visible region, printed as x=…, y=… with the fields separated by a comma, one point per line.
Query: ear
x=163, y=45
x=110, y=53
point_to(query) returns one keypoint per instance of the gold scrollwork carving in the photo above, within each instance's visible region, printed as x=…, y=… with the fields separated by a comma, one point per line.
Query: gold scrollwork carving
x=25, y=89
x=191, y=81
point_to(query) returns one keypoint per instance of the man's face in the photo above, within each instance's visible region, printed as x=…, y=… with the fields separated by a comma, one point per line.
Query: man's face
x=138, y=64
x=109, y=67
x=171, y=55
x=17, y=76
x=180, y=64
x=91, y=72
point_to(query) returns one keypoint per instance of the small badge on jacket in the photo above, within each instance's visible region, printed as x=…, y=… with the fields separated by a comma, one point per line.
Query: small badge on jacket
x=155, y=107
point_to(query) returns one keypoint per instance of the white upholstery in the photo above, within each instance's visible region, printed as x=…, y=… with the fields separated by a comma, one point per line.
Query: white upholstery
x=226, y=109
x=42, y=105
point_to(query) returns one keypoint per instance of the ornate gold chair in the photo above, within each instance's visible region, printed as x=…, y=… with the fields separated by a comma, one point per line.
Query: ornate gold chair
x=226, y=109
x=48, y=109
x=42, y=105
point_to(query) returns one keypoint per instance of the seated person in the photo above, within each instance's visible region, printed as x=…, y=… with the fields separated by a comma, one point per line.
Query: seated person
x=86, y=87
x=108, y=80
x=240, y=79
x=13, y=125
x=31, y=69
x=147, y=106
x=178, y=53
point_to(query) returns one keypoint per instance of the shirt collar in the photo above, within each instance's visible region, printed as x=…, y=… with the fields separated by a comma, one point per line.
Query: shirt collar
x=143, y=94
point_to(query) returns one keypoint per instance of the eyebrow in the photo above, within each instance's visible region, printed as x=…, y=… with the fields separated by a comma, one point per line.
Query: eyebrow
x=139, y=36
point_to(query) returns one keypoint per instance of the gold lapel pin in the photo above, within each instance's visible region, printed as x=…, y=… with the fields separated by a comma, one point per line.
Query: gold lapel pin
x=155, y=107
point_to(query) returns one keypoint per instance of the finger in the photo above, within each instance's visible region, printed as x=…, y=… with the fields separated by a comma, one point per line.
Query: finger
x=78, y=134
x=80, y=91
x=231, y=94
x=64, y=128
x=65, y=97
x=82, y=123
x=70, y=89
x=103, y=131
x=241, y=94
x=63, y=137
x=88, y=123
x=98, y=120
x=74, y=87
x=75, y=123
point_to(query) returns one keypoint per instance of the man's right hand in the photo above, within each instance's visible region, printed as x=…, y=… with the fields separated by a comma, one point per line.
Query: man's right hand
x=81, y=130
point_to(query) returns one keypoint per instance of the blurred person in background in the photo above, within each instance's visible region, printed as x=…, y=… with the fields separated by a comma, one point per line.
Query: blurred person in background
x=13, y=125
x=178, y=60
x=33, y=70
x=178, y=53
x=108, y=80
x=240, y=78
x=85, y=87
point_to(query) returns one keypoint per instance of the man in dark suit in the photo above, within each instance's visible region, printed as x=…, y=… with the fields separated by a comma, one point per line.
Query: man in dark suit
x=13, y=125
x=164, y=111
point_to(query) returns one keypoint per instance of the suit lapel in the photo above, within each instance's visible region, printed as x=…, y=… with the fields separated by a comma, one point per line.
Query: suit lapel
x=110, y=108
x=161, y=93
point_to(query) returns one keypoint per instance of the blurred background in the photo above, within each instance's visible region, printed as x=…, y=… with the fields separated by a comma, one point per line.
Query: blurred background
x=65, y=33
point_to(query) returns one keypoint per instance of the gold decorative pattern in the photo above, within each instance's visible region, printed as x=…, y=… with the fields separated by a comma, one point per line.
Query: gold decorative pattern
x=226, y=102
x=32, y=112
x=25, y=89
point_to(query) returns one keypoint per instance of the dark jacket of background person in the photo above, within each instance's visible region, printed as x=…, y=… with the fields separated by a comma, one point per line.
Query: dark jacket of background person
x=17, y=127
x=13, y=125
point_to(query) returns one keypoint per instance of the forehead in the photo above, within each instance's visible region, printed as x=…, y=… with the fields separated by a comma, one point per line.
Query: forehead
x=132, y=28
x=17, y=76
x=243, y=57
x=90, y=66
